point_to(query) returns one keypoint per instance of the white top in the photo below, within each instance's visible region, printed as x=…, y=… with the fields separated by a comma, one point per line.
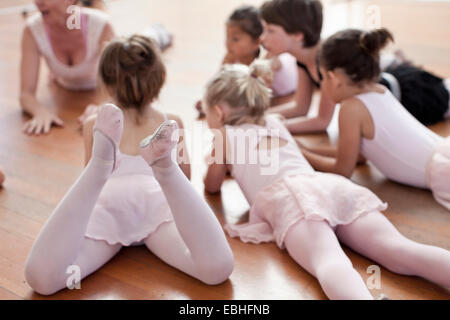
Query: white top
x=401, y=146
x=285, y=80
x=82, y=76
x=257, y=169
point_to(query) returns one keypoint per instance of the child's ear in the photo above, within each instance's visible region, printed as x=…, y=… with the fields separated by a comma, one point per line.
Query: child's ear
x=334, y=78
x=220, y=112
x=298, y=37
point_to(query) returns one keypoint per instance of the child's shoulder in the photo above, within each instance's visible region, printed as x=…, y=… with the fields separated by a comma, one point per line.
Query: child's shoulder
x=352, y=108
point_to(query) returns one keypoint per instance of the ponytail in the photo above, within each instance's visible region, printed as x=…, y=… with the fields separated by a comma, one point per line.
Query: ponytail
x=243, y=89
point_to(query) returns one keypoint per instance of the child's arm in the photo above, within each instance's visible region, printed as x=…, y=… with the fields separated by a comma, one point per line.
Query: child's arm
x=182, y=152
x=216, y=172
x=327, y=151
x=313, y=124
x=302, y=100
x=350, y=123
x=228, y=59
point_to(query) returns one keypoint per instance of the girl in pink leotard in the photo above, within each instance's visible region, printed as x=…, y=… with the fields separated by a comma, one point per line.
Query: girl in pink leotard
x=130, y=193
x=304, y=211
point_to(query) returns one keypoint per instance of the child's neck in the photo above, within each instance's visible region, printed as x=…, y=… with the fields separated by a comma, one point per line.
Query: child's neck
x=307, y=56
x=354, y=90
x=247, y=60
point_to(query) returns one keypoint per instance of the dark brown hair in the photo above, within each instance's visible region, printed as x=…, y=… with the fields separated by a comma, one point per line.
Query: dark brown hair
x=303, y=16
x=356, y=52
x=132, y=71
x=247, y=18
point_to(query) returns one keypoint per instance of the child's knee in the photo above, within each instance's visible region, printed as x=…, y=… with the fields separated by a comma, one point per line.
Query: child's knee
x=333, y=267
x=218, y=271
x=41, y=281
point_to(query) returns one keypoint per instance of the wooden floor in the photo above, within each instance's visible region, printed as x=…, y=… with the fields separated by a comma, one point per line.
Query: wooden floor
x=41, y=169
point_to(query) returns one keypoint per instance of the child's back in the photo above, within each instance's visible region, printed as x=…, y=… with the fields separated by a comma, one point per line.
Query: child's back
x=260, y=155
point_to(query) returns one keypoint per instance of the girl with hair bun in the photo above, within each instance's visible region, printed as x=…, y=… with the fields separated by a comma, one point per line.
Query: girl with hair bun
x=135, y=188
x=295, y=26
x=304, y=211
x=373, y=123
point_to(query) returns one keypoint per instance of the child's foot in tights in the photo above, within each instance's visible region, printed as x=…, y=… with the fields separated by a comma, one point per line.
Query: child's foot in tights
x=107, y=130
x=157, y=148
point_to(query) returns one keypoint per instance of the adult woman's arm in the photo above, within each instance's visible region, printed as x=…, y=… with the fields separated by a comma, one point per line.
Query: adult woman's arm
x=42, y=118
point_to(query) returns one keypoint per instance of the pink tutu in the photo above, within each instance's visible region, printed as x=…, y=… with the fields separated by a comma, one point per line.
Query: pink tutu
x=312, y=196
x=438, y=172
x=131, y=205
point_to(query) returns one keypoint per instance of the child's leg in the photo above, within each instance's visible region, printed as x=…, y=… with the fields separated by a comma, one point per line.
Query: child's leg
x=195, y=243
x=314, y=246
x=374, y=236
x=61, y=242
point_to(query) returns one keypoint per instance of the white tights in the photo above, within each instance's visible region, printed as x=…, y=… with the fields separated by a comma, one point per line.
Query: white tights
x=194, y=243
x=315, y=246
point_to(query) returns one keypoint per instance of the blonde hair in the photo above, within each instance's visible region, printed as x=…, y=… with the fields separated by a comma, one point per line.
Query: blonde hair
x=244, y=89
x=132, y=71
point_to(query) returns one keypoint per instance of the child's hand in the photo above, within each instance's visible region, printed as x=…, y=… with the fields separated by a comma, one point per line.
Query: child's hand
x=229, y=59
x=90, y=110
x=41, y=123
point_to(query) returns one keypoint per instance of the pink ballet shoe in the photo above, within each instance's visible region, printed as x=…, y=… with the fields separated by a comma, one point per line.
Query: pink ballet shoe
x=160, y=143
x=109, y=122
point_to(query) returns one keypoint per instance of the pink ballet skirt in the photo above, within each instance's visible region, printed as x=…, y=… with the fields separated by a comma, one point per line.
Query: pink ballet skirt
x=312, y=196
x=438, y=173
x=131, y=205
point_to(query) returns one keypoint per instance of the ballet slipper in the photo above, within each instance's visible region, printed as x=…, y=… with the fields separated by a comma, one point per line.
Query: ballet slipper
x=160, y=144
x=109, y=123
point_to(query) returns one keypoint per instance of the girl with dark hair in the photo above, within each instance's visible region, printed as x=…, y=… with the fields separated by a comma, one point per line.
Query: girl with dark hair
x=243, y=31
x=373, y=123
x=295, y=26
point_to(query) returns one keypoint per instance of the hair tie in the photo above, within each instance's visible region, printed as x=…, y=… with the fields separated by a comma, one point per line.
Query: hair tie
x=126, y=46
x=253, y=76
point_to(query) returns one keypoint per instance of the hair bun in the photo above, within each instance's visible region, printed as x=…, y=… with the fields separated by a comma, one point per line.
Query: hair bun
x=373, y=41
x=138, y=52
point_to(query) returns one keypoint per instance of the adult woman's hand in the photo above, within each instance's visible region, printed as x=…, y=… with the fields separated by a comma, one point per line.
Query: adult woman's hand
x=41, y=123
